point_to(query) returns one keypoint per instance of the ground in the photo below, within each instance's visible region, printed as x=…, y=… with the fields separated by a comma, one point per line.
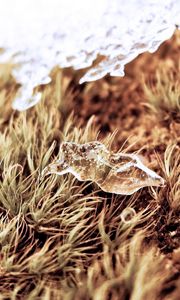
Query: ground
x=65, y=239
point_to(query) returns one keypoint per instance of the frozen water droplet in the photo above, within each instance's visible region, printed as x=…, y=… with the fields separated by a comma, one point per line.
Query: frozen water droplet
x=127, y=215
x=117, y=173
x=70, y=33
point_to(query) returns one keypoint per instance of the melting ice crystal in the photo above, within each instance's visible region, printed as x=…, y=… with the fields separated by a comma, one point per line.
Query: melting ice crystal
x=117, y=173
x=39, y=35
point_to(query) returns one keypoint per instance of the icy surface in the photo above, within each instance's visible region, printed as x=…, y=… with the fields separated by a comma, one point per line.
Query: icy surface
x=39, y=35
x=117, y=173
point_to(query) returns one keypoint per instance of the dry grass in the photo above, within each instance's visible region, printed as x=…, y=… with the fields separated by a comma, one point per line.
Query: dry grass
x=63, y=239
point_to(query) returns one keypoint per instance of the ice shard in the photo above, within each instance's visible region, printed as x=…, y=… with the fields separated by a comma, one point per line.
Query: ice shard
x=117, y=173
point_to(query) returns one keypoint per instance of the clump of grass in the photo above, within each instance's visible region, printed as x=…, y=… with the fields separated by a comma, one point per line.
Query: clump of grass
x=129, y=272
x=171, y=171
x=163, y=94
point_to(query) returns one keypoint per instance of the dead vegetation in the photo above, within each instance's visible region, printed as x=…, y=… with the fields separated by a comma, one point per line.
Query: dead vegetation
x=66, y=240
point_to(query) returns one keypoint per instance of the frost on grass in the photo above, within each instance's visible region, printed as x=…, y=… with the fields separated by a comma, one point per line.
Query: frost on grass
x=117, y=173
x=68, y=33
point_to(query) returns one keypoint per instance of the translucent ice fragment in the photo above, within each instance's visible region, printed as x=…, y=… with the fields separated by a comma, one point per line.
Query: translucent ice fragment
x=117, y=173
x=37, y=36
